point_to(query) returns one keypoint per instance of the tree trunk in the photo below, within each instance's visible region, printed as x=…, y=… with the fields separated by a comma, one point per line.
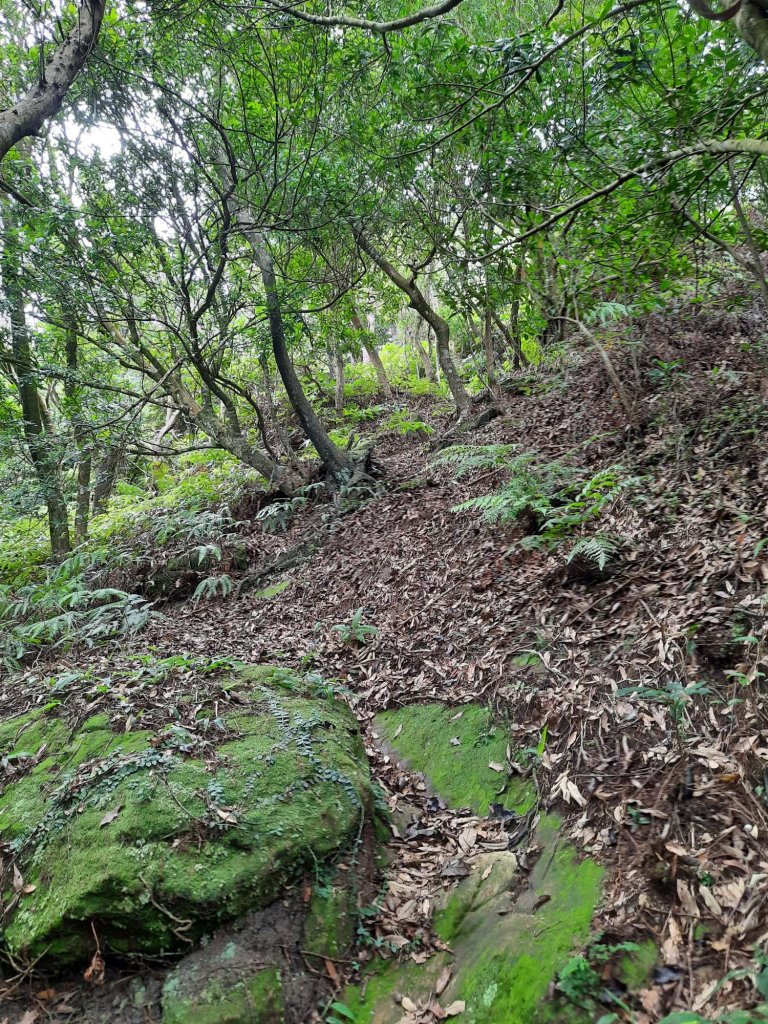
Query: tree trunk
x=369, y=345
x=106, y=475
x=338, y=465
x=27, y=116
x=79, y=434
x=40, y=443
x=490, y=357
x=428, y=313
x=338, y=374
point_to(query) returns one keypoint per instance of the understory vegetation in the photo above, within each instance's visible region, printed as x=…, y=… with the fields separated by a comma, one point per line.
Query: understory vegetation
x=418, y=357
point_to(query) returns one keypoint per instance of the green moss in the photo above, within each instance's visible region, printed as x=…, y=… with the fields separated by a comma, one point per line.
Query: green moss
x=507, y=966
x=459, y=772
x=330, y=925
x=635, y=968
x=26, y=734
x=95, y=722
x=257, y=1000
x=295, y=781
x=507, y=937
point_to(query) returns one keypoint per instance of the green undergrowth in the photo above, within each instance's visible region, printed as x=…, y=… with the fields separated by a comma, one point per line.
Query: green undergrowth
x=187, y=511
x=156, y=845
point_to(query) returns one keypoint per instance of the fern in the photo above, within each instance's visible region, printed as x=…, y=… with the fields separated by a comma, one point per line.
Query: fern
x=554, y=498
x=588, y=502
x=212, y=586
x=468, y=457
x=599, y=550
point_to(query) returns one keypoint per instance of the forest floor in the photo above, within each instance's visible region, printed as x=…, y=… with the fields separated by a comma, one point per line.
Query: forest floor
x=641, y=687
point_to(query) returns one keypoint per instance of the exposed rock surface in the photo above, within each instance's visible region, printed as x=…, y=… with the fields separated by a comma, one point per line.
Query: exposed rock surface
x=508, y=931
x=146, y=842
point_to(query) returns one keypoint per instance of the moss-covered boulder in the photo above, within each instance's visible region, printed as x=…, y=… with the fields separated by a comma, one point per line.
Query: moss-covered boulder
x=507, y=932
x=149, y=839
x=223, y=987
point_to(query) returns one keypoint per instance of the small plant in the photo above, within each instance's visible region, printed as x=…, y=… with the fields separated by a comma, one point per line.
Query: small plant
x=666, y=375
x=552, y=500
x=597, y=550
x=341, y=1014
x=278, y=515
x=355, y=631
x=673, y=695
x=402, y=423
x=213, y=586
x=578, y=981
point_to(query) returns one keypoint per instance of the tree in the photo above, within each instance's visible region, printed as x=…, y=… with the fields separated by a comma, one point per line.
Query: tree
x=54, y=78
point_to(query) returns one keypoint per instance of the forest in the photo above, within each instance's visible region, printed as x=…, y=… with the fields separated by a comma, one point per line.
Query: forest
x=383, y=512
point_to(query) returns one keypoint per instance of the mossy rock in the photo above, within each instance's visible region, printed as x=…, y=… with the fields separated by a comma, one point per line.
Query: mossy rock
x=128, y=835
x=226, y=988
x=453, y=748
x=507, y=934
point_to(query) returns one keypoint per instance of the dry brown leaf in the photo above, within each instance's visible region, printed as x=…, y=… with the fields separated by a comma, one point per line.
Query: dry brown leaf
x=457, y=1007
x=110, y=816
x=95, y=971
x=442, y=981
x=333, y=974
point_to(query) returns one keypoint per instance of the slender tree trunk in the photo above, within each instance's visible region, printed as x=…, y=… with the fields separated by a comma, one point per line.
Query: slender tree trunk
x=106, y=476
x=338, y=374
x=40, y=442
x=490, y=356
x=428, y=313
x=754, y=248
x=370, y=347
x=79, y=434
x=421, y=352
x=273, y=418
x=37, y=425
x=338, y=465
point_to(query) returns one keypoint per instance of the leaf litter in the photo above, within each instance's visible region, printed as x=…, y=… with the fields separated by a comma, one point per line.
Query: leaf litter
x=648, y=682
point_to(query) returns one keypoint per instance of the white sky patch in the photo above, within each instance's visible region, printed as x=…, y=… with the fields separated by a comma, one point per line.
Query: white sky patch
x=101, y=139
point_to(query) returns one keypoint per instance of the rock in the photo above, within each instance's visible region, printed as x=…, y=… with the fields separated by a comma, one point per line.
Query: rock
x=150, y=841
x=507, y=932
x=423, y=737
x=223, y=986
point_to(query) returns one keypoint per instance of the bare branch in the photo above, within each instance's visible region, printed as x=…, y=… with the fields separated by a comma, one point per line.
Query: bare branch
x=380, y=27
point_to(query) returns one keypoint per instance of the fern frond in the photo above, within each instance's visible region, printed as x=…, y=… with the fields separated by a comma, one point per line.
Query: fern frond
x=466, y=457
x=599, y=550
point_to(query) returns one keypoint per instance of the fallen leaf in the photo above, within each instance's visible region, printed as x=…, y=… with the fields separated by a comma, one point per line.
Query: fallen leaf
x=455, y=1008
x=442, y=981
x=409, y=1005
x=496, y=766
x=110, y=816
x=333, y=974
x=398, y=730
x=94, y=973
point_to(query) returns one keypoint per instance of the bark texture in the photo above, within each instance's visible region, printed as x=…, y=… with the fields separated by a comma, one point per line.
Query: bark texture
x=27, y=116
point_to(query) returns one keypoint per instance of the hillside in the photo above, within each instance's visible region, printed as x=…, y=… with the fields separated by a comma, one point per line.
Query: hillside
x=629, y=674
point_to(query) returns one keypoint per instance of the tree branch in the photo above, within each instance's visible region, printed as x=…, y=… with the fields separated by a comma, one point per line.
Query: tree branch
x=27, y=116
x=380, y=27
